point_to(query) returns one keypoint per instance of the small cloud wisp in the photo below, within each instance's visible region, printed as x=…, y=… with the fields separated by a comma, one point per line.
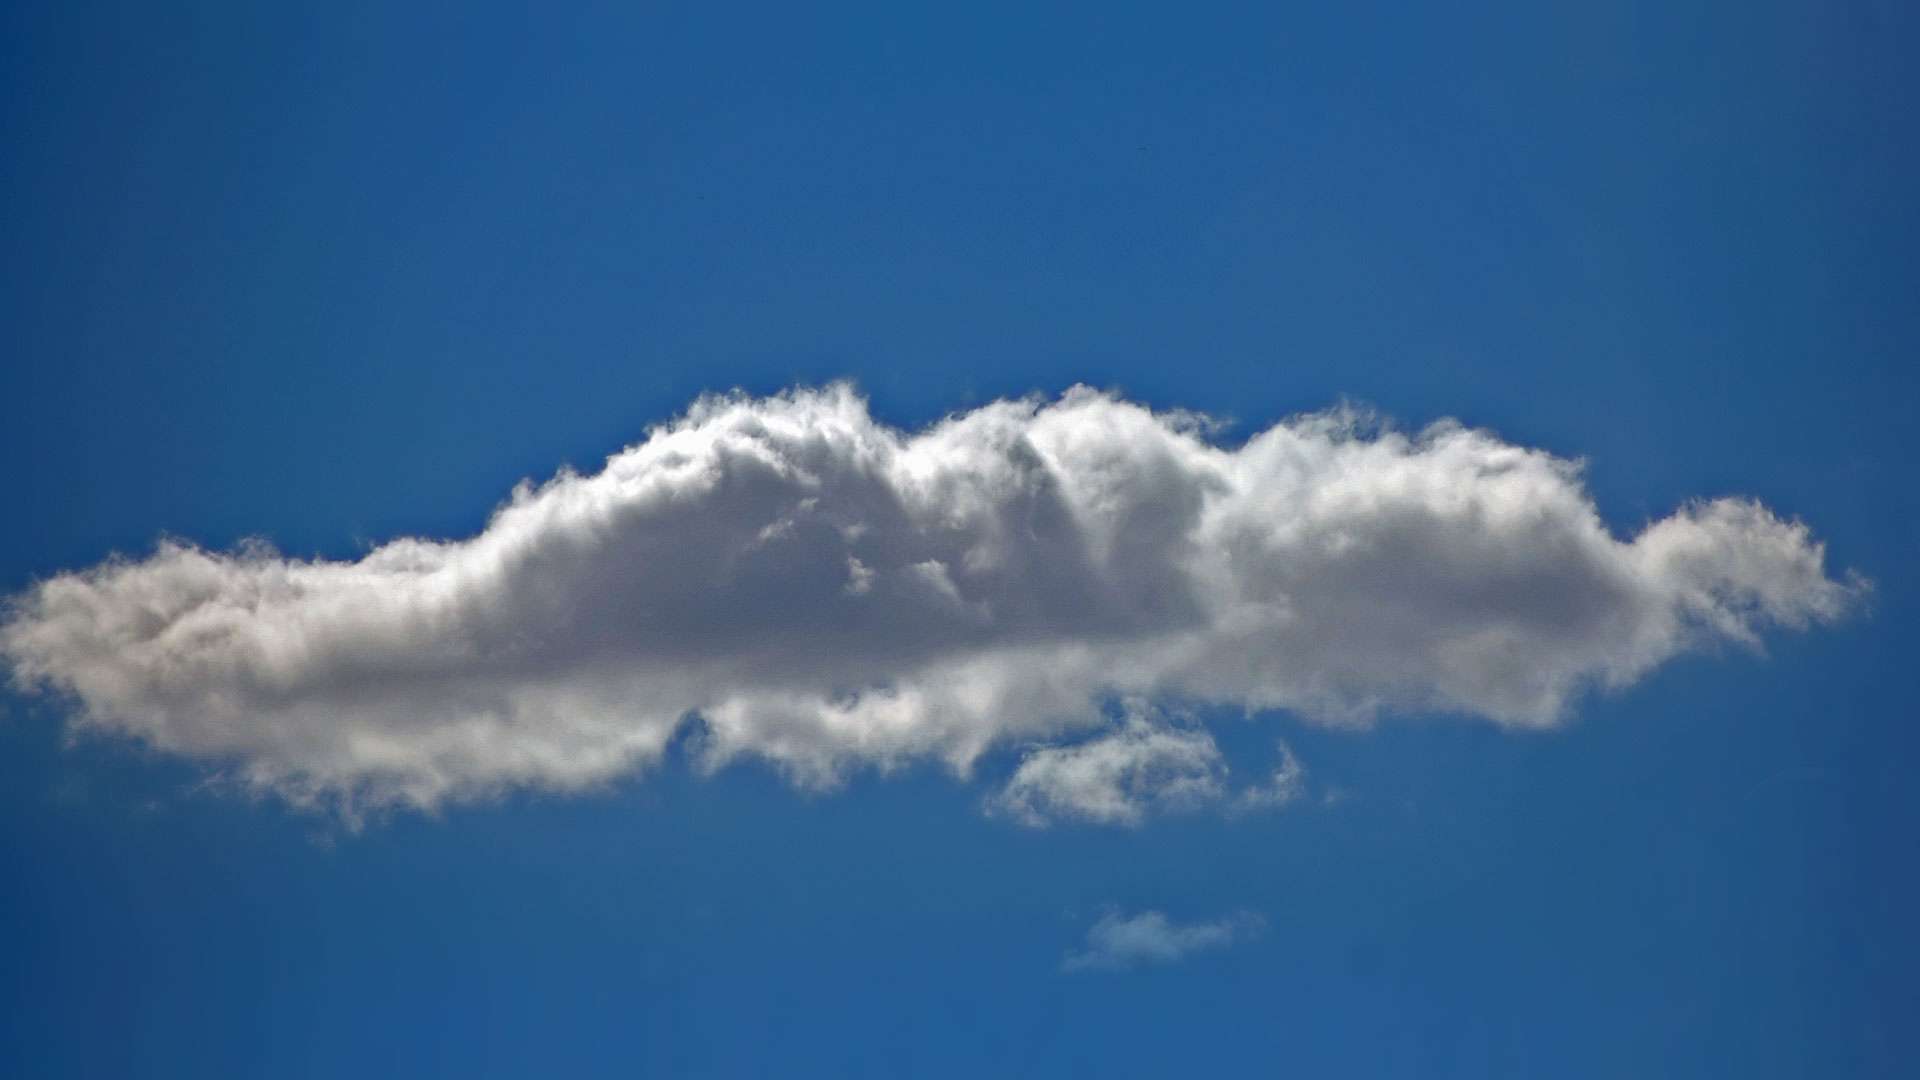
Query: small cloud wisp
x=1117, y=942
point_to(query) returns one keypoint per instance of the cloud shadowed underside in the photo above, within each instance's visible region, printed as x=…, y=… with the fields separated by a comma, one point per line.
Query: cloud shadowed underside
x=826, y=592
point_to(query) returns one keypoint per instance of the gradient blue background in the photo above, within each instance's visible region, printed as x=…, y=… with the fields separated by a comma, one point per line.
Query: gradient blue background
x=333, y=276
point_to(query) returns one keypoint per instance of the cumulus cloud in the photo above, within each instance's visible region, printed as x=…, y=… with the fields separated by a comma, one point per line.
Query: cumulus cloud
x=1116, y=942
x=814, y=588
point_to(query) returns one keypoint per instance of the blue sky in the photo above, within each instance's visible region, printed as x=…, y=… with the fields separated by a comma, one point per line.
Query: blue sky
x=335, y=278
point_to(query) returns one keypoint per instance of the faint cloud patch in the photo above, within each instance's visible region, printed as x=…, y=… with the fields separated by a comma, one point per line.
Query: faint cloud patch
x=1118, y=942
x=1142, y=765
x=1288, y=784
x=1145, y=764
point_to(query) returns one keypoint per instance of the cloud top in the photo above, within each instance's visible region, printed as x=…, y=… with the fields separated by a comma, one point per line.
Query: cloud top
x=820, y=590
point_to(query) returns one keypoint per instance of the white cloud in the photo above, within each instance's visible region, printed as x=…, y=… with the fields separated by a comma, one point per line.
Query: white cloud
x=826, y=593
x=1116, y=942
x=1287, y=784
x=1117, y=778
x=1143, y=765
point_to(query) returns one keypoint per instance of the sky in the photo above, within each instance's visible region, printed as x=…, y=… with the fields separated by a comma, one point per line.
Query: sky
x=1011, y=540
